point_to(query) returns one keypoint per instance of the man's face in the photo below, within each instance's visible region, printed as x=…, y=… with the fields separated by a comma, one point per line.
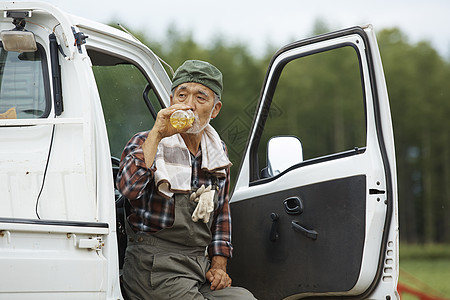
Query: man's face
x=201, y=101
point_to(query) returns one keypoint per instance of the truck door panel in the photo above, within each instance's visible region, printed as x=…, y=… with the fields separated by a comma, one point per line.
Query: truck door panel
x=327, y=208
x=49, y=226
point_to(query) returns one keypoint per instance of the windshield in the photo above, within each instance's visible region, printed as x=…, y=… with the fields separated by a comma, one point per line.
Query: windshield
x=22, y=84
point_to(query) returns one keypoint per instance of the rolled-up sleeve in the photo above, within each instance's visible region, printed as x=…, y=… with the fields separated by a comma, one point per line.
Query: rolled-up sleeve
x=133, y=175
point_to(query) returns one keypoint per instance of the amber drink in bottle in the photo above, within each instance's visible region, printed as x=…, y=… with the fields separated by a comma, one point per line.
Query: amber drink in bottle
x=181, y=118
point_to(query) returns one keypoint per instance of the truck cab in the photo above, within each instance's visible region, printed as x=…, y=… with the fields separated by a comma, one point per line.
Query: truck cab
x=305, y=223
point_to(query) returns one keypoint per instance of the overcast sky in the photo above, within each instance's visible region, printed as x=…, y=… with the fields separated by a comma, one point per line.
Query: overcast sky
x=257, y=23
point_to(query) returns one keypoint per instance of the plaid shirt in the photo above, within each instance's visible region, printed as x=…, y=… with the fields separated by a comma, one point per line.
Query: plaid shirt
x=151, y=212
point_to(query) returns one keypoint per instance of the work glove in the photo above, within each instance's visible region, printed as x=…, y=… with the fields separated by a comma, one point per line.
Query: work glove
x=205, y=203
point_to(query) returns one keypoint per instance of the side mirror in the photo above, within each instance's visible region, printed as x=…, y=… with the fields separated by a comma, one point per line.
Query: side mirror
x=18, y=39
x=282, y=153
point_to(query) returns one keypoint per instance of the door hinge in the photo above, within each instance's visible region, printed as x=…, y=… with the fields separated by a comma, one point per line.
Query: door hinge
x=95, y=243
x=8, y=235
x=80, y=39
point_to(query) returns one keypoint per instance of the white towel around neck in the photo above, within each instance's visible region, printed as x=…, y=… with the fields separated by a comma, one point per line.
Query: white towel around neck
x=173, y=161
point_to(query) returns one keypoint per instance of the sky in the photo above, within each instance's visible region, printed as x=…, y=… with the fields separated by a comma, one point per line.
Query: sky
x=263, y=22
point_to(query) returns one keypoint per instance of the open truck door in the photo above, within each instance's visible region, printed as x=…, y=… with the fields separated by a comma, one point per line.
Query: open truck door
x=66, y=107
x=314, y=207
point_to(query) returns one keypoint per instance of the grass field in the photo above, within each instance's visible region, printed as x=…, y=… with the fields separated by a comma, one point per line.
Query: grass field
x=425, y=268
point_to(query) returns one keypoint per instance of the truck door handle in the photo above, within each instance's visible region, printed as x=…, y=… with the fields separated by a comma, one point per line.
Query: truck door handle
x=274, y=229
x=312, y=234
x=293, y=205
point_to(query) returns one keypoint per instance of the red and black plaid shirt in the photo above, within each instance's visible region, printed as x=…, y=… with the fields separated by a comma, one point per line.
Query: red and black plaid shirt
x=151, y=212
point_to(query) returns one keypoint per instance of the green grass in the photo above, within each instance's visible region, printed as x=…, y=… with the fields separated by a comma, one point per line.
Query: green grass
x=431, y=251
x=425, y=268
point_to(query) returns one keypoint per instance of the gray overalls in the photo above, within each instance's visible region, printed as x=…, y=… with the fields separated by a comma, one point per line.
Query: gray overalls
x=172, y=263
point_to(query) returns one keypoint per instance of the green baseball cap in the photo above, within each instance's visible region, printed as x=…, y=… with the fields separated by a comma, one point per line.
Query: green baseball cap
x=200, y=72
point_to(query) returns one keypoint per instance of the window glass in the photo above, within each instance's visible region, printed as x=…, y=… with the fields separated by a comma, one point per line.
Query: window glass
x=319, y=99
x=22, y=89
x=121, y=89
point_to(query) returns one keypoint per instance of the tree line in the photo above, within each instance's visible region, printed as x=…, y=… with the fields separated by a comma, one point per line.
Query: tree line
x=417, y=78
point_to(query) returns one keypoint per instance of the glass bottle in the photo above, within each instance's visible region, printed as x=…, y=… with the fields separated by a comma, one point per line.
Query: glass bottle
x=181, y=118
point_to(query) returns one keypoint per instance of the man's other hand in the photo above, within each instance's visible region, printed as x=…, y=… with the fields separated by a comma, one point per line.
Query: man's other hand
x=217, y=274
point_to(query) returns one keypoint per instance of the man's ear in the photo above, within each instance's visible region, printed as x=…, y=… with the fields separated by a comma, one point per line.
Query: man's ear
x=216, y=109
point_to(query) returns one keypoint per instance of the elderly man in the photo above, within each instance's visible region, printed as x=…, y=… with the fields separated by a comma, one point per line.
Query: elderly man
x=177, y=183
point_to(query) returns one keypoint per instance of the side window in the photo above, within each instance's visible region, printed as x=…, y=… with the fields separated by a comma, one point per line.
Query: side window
x=318, y=99
x=122, y=86
x=24, y=86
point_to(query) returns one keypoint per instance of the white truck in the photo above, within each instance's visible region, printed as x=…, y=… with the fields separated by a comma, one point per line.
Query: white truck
x=307, y=225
